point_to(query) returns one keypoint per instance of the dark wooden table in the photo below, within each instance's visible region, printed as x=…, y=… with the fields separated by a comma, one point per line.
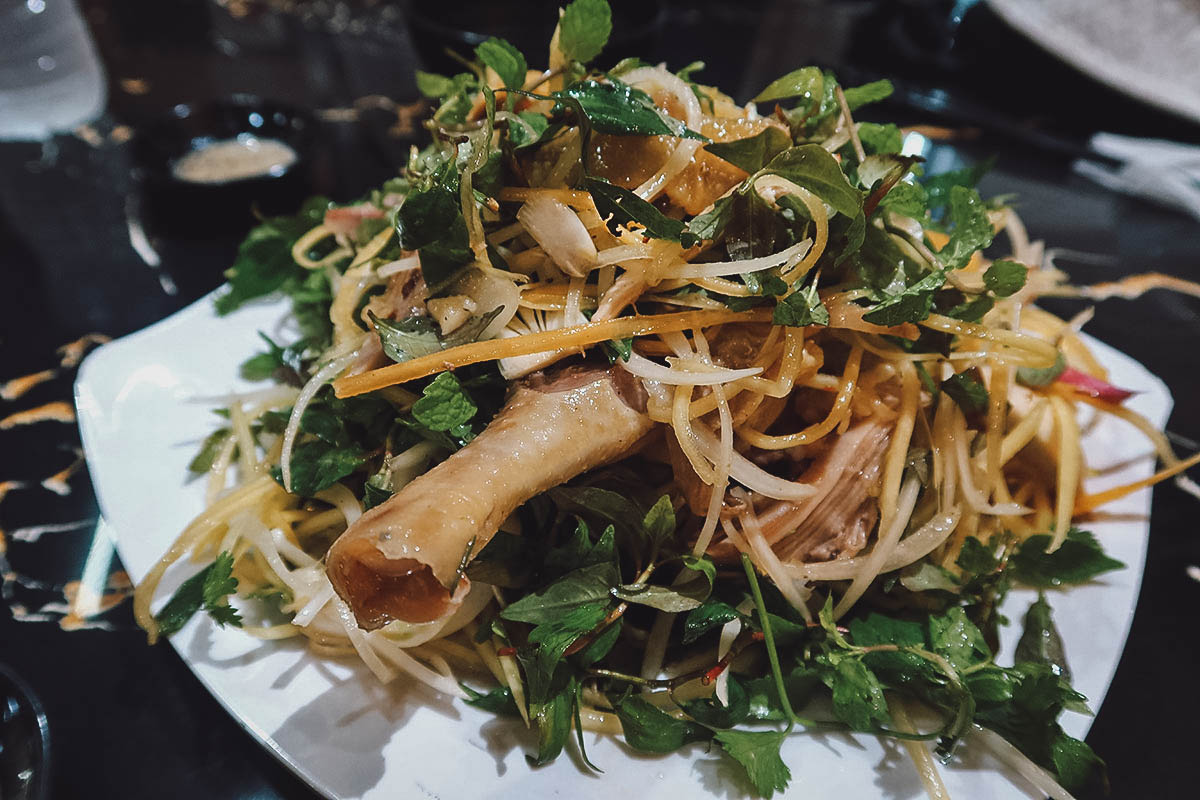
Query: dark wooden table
x=127, y=720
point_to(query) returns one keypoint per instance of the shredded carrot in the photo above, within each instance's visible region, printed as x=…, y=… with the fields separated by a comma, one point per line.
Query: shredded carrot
x=1089, y=502
x=541, y=342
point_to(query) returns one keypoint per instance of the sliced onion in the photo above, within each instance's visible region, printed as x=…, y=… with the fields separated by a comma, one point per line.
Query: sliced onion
x=913, y=548
x=722, y=268
x=645, y=368
x=560, y=233
x=750, y=474
x=491, y=291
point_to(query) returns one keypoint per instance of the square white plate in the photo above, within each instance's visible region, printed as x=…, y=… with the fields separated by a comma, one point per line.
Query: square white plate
x=348, y=736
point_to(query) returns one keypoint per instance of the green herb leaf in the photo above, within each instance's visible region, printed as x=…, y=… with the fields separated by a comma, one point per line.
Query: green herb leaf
x=659, y=522
x=906, y=199
x=208, y=590
x=673, y=600
x=977, y=558
x=551, y=638
x=622, y=110
x=507, y=61
x=553, y=721
x=857, y=695
x=758, y=753
x=1078, y=560
x=806, y=82
x=710, y=711
x=583, y=29
x=872, y=92
x=444, y=406
x=498, y=701
x=814, y=168
x=972, y=228
x=954, y=636
x=967, y=391
x=625, y=208
x=434, y=86
x=651, y=730
x=755, y=152
x=416, y=336
x=1043, y=376
x=709, y=615
x=911, y=304
x=878, y=139
x=1040, y=642
x=800, y=308
x=202, y=462
x=587, y=585
x=938, y=187
x=317, y=465
x=1005, y=278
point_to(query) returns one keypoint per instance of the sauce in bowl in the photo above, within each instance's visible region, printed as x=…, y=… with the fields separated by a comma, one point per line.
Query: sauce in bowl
x=237, y=158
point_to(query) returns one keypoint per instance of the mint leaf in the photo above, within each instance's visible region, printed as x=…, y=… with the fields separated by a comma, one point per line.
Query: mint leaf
x=907, y=199
x=878, y=138
x=967, y=391
x=1080, y=559
x=758, y=753
x=977, y=558
x=911, y=304
x=814, y=168
x=317, y=465
x=443, y=405
x=518, y=136
x=506, y=60
x=972, y=229
x=806, y=82
x=1005, y=278
x=434, y=86
x=800, y=308
x=753, y=153
x=872, y=92
x=584, y=29
x=938, y=187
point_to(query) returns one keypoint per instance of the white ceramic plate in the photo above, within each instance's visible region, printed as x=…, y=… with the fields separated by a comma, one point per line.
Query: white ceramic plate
x=1149, y=49
x=348, y=736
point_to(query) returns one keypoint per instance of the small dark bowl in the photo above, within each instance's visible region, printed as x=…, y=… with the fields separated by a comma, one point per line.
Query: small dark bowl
x=172, y=206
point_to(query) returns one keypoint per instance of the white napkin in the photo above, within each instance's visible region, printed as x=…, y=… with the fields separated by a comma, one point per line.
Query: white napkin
x=1154, y=169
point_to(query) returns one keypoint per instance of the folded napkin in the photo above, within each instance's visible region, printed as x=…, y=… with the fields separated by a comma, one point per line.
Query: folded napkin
x=1164, y=172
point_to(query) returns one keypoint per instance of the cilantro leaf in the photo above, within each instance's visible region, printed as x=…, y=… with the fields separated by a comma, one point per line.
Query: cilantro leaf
x=584, y=29
x=956, y=637
x=444, y=406
x=857, y=695
x=1078, y=560
x=207, y=590
x=977, y=558
x=758, y=753
x=505, y=60
x=1005, y=278
x=651, y=730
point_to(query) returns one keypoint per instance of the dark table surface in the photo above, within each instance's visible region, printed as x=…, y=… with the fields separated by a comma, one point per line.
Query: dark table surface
x=127, y=720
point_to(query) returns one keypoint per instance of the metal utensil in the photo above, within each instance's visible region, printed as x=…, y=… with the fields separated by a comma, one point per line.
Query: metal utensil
x=24, y=741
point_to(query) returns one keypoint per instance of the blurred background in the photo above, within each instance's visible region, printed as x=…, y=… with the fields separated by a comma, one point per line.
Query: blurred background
x=96, y=239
